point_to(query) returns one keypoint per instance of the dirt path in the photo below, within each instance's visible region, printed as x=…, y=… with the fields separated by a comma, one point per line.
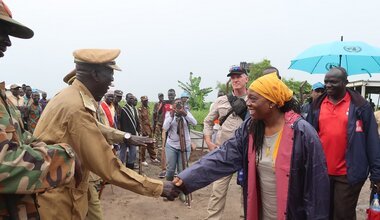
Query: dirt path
x=122, y=204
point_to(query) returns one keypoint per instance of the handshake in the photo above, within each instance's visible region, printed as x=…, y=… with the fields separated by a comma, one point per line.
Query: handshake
x=173, y=189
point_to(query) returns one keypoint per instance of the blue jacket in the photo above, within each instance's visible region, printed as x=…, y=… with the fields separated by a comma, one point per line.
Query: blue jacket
x=363, y=147
x=308, y=194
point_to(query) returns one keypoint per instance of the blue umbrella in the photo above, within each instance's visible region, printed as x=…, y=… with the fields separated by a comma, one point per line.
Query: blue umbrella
x=355, y=56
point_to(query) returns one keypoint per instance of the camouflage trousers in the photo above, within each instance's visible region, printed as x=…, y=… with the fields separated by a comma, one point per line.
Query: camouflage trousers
x=152, y=150
x=158, y=137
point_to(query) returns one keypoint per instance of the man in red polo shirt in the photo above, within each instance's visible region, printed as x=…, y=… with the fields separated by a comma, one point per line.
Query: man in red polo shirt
x=348, y=132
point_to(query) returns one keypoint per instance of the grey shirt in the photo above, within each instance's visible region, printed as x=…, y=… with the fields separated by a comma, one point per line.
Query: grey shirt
x=267, y=179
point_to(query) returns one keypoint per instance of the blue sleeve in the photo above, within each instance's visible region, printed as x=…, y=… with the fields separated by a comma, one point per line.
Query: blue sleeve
x=225, y=160
x=372, y=143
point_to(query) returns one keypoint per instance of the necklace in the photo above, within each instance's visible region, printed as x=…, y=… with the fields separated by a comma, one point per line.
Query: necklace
x=267, y=150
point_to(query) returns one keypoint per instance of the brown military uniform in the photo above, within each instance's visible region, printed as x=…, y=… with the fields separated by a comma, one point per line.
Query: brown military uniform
x=70, y=117
x=158, y=121
x=146, y=130
x=112, y=136
x=118, y=110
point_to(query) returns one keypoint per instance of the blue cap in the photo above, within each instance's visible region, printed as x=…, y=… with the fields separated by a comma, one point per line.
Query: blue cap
x=318, y=85
x=185, y=94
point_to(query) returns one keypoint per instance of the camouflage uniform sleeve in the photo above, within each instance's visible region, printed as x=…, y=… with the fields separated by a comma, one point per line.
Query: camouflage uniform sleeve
x=33, y=168
x=30, y=168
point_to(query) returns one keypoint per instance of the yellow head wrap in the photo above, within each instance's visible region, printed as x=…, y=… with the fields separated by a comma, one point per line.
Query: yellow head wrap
x=272, y=88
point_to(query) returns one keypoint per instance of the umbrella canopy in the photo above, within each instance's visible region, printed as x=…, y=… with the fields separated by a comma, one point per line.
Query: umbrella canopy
x=355, y=56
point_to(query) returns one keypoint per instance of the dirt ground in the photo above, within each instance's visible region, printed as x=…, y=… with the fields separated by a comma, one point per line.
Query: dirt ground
x=118, y=203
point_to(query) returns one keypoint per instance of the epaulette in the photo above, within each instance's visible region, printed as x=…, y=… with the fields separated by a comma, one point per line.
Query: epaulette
x=88, y=102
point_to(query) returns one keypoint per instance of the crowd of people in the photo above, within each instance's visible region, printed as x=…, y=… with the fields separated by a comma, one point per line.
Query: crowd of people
x=29, y=103
x=292, y=161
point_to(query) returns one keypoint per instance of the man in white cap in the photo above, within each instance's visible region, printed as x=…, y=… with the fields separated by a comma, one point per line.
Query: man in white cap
x=14, y=97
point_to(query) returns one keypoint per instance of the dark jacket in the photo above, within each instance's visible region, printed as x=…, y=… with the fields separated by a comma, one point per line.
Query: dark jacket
x=308, y=192
x=129, y=121
x=363, y=145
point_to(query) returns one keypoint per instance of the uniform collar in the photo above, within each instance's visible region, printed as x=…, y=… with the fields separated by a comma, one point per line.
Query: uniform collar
x=87, y=98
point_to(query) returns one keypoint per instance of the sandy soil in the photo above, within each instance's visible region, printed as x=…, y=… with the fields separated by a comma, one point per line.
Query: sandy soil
x=122, y=204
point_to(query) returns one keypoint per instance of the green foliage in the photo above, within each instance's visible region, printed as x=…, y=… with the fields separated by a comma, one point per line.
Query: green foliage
x=199, y=115
x=295, y=86
x=223, y=87
x=197, y=95
x=122, y=102
x=256, y=70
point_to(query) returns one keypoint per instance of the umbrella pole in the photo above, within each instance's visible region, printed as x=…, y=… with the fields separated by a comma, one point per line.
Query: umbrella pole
x=340, y=56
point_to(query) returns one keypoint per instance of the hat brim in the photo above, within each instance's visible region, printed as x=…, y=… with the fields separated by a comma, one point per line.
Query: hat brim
x=16, y=29
x=114, y=67
x=318, y=88
x=69, y=78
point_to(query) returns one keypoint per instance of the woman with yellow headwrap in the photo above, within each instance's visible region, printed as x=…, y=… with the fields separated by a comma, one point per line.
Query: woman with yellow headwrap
x=285, y=175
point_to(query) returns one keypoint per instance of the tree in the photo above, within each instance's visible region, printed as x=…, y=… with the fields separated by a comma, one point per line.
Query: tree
x=223, y=87
x=256, y=69
x=197, y=95
x=295, y=86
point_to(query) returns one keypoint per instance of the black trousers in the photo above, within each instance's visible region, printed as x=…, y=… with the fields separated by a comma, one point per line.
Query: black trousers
x=343, y=198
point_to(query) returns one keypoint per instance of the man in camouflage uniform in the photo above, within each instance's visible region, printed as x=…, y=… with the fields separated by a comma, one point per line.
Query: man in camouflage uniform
x=71, y=117
x=146, y=131
x=27, y=166
x=118, y=94
x=157, y=117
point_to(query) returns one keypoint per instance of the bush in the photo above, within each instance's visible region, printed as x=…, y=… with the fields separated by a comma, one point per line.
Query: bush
x=199, y=115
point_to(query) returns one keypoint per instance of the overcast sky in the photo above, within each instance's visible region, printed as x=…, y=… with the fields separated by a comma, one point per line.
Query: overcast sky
x=163, y=40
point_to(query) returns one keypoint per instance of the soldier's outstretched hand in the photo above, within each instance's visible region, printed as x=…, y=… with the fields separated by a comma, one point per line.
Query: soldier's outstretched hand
x=139, y=141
